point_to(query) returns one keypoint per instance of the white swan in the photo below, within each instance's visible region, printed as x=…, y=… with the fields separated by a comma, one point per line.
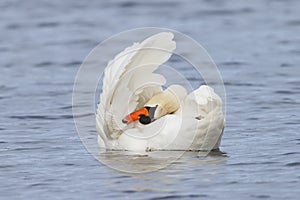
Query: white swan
x=135, y=113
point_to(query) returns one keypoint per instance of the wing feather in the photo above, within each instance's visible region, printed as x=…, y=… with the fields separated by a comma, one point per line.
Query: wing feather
x=129, y=81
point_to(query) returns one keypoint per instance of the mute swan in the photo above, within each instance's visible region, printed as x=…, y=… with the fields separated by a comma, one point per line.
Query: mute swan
x=136, y=114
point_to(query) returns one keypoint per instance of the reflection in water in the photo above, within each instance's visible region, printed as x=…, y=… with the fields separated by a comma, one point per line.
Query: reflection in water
x=172, y=178
x=132, y=162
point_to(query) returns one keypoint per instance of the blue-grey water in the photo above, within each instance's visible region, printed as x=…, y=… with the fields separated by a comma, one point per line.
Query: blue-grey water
x=256, y=45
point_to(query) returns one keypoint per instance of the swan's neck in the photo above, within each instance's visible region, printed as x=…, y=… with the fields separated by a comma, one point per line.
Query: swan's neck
x=167, y=102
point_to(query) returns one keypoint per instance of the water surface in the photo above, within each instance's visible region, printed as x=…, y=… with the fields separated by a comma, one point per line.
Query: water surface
x=256, y=46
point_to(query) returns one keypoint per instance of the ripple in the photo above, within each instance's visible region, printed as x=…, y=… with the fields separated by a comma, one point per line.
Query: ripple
x=285, y=42
x=295, y=51
x=289, y=153
x=261, y=196
x=26, y=148
x=253, y=118
x=241, y=84
x=65, y=107
x=293, y=164
x=41, y=117
x=252, y=163
x=180, y=196
x=73, y=64
x=44, y=64
x=6, y=97
x=292, y=123
x=4, y=88
x=13, y=26
x=284, y=92
x=48, y=24
x=4, y=49
x=48, y=117
x=23, y=117
x=131, y=4
x=294, y=82
x=234, y=63
x=293, y=23
x=87, y=42
x=38, y=185
x=129, y=191
x=128, y=4
x=224, y=12
x=69, y=164
x=285, y=65
x=6, y=166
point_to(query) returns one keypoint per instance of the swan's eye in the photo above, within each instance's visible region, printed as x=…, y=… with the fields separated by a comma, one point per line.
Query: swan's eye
x=144, y=119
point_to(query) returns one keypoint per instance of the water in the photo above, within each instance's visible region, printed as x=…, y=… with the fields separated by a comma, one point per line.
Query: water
x=256, y=46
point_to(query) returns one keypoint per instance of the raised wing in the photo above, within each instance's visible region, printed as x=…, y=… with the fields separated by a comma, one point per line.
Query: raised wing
x=129, y=81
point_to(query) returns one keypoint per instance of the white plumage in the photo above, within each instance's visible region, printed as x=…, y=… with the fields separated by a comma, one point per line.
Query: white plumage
x=183, y=122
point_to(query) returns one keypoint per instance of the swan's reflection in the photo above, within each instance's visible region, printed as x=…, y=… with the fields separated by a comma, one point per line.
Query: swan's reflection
x=181, y=173
x=168, y=161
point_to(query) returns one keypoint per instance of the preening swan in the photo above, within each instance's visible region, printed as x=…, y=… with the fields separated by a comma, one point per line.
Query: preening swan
x=161, y=104
x=136, y=114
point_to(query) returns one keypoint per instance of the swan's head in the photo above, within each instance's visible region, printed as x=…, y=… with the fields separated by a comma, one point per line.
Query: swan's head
x=144, y=115
x=161, y=104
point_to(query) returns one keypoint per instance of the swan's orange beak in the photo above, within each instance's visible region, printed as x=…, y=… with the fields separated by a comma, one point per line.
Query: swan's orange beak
x=135, y=116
